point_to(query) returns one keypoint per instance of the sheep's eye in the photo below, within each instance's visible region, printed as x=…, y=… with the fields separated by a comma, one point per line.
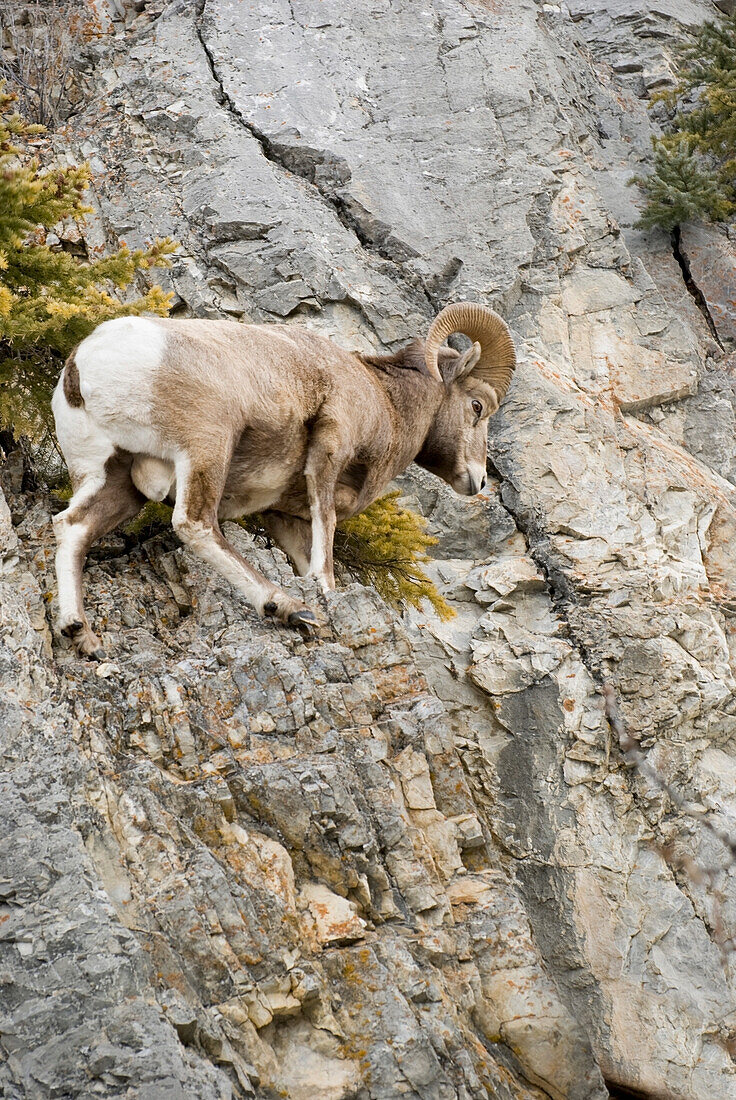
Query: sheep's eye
x=477, y=408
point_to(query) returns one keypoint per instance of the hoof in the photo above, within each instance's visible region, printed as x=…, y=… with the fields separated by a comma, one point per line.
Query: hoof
x=270, y=608
x=304, y=620
x=85, y=642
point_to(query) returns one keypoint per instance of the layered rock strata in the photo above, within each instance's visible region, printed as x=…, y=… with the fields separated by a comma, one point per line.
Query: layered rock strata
x=406, y=858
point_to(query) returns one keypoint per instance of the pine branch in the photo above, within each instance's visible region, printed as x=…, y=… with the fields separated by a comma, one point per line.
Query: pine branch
x=51, y=299
x=693, y=174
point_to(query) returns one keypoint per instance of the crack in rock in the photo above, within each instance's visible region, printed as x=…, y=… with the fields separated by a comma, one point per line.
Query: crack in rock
x=324, y=170
x=692, y=286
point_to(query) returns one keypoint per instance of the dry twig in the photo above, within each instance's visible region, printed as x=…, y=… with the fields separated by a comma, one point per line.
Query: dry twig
x=37, y=58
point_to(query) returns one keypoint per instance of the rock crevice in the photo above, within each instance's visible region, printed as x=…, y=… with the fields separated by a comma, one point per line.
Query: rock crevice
x=693, y=288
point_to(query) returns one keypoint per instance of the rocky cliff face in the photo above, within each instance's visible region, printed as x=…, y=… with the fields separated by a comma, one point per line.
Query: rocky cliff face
x=406, y=858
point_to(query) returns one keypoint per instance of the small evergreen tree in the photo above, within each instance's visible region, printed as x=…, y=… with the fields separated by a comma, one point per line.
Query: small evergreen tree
x=49, y=298
x=680, y=189
x=694, y=172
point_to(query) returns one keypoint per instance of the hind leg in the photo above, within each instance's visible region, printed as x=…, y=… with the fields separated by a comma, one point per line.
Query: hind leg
x=102, y=500
x=293, y=535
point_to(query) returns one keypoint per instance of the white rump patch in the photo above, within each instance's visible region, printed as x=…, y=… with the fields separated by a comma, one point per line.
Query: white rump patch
x=117, y=365
x=86, y=448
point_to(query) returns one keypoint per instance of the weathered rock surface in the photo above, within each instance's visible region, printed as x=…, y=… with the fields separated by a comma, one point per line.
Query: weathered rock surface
x=234, y=861
x=406, y=859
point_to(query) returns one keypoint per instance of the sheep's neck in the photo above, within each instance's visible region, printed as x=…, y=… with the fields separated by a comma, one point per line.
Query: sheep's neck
x=416, y=399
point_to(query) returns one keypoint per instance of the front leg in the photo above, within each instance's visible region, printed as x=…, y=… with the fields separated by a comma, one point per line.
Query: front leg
x=198, y=491
x=322, y=507
x=325, y=459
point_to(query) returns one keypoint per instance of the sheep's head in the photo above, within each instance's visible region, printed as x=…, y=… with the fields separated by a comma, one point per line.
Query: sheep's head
x=475, y=383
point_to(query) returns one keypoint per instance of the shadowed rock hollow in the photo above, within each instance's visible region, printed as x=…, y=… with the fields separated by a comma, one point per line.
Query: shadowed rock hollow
x=406, y=859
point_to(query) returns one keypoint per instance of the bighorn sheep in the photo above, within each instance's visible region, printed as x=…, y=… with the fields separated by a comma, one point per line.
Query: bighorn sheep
x=227, y=419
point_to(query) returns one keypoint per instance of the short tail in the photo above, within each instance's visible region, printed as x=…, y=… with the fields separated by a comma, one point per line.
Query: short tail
x=72, y=392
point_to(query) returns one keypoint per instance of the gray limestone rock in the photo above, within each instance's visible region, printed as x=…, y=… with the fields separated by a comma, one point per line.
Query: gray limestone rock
x=406, y=858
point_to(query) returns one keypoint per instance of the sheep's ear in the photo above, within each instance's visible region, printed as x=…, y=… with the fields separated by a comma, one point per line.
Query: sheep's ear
x=463, y=365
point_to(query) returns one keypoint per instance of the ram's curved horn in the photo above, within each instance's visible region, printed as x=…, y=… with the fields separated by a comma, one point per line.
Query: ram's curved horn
x=498, y=357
